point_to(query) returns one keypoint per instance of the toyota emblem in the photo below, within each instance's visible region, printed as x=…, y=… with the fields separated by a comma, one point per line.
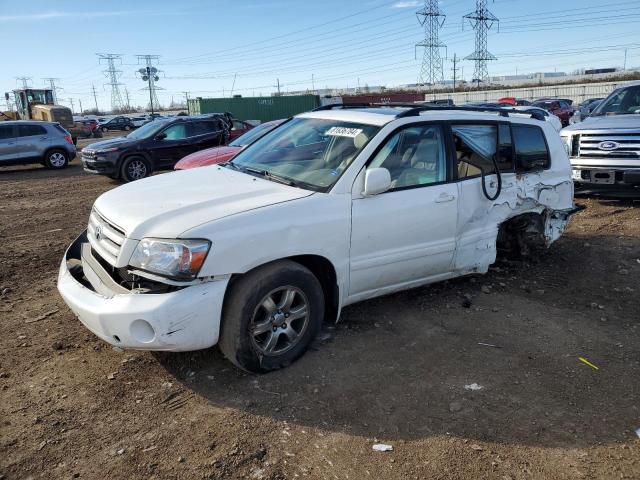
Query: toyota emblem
x=98, y=232
x=608, y=145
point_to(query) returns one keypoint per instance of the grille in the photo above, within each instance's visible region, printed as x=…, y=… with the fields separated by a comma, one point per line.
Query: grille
x=628, y=145
x=109, y=240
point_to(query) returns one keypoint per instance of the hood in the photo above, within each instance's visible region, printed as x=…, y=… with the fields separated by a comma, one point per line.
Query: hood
x=166, y=205
x=606, y=122
x=210, y=156
x=116, y=142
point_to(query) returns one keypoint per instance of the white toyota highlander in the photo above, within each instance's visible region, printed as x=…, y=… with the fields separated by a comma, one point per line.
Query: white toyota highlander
x=332, y=207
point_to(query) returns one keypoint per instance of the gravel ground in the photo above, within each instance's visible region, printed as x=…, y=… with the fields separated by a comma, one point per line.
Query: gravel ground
x=398, y=370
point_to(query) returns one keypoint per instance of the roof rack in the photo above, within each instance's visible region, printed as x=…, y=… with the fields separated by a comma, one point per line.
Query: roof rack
x=333, y=106
x=503, y=112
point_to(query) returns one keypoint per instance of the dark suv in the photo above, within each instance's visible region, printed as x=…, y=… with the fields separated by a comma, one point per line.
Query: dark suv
x=154, y=146
x=117, y=123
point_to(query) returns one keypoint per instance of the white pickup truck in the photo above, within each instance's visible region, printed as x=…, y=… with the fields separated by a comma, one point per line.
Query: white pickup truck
x=605, y=147
x=332, y=207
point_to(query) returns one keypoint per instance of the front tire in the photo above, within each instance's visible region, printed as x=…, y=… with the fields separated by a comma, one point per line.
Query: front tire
x=104, y=130
x=56, y=159
x=127, y=128
x=135, y=168
x=270, y=316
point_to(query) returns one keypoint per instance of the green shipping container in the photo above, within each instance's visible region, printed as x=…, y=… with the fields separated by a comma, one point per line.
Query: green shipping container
x=256, y=108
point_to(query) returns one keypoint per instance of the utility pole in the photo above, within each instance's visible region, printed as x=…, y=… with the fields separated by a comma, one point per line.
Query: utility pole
x=455, y=71
x=481, y=21
x=186, y=98
x=150, y=75
x=81, y=110
x=25, y=81
x=54, y=89
x=112, y=74
x=95, y=97
x=126, y=94
x=233, y=85
x=72, y=106
x=313, y=84
x=432, y=20
x=278, y=86
x=625, y=59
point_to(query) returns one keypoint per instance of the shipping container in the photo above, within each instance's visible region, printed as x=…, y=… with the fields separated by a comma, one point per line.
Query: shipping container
x=262, y=109
x=383, y=98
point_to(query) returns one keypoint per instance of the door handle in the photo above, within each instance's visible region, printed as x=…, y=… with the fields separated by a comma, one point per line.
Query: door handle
x=445, y=197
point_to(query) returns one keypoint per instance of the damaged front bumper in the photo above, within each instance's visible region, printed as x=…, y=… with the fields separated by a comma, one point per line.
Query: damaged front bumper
x=182, y=319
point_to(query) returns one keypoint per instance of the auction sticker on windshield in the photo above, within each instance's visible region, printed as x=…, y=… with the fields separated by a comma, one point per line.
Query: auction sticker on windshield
x=344, y=132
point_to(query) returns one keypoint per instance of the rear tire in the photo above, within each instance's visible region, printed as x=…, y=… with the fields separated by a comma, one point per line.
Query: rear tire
x=56, y=159
x=104, y=129
x=135, y=168
x=127, y=128
x=270, y=316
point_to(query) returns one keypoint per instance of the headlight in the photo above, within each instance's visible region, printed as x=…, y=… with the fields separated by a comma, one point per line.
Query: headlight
x=170, y=258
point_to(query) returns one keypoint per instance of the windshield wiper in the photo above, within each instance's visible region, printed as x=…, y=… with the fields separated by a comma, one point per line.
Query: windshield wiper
x=270, y=176
x=230, y=165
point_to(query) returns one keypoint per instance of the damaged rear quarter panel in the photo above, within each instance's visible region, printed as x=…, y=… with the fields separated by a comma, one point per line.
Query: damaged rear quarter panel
x=546, y=192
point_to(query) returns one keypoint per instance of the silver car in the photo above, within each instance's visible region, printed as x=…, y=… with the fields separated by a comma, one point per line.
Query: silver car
x=27, y=141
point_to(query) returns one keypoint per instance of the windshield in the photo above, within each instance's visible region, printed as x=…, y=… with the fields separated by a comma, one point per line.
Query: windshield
x=623, y=101
x=253, y=134
x=307, y=152
x=147, y=130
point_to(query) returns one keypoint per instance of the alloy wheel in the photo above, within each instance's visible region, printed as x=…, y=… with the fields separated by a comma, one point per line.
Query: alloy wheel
x=57, y=159
x=136, y=170
x=279, y=320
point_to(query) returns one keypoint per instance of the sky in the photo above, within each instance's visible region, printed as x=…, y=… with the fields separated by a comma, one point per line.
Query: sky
x=222, y=47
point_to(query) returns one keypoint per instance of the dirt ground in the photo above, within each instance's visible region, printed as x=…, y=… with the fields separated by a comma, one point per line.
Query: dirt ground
x=393, y=371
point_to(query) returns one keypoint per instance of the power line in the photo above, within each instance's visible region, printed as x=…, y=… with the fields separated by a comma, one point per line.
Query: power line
x=432, y=19
x=25, y=81
x=306, y=29
x=113, y=75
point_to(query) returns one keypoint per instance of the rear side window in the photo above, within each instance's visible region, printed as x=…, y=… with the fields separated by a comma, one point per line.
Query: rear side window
x=6, y=131
x=475, y=149
x=31, y=130
x=60, y=129
x=203, y=128
x=531, y=148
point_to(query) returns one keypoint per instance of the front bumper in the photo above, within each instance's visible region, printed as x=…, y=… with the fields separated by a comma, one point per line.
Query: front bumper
x=102, y=164
x=181, y=320
x=611, y=180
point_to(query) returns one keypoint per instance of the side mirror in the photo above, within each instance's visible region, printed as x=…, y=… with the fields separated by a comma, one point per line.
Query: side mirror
x=161, y=136
x=376, y=180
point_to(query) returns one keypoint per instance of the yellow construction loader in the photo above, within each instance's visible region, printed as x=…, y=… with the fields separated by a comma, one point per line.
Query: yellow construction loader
x=37, y=104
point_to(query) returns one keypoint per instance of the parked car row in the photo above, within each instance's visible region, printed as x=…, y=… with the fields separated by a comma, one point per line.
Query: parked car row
x=602, y=148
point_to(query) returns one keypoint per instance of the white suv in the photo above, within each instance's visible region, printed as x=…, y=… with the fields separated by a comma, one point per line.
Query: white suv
x=330, y=208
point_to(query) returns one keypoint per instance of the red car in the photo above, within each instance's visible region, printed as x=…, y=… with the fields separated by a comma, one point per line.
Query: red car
x=561, y=108
x=212, y=156
x=239, y=128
